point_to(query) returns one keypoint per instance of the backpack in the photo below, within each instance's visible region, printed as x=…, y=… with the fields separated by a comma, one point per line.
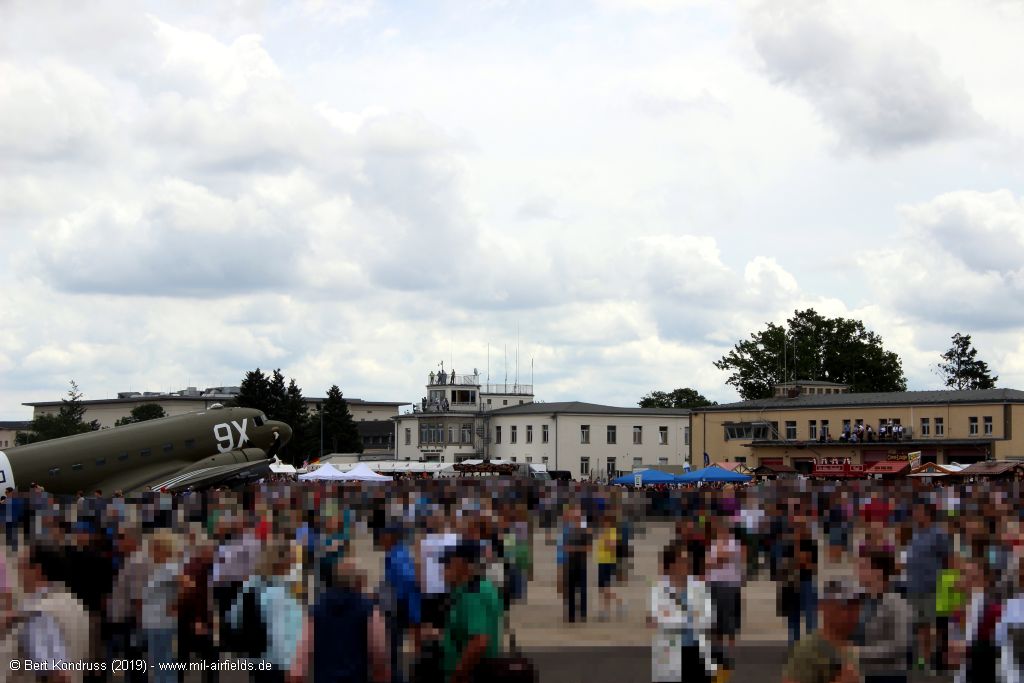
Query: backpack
x=252, y=633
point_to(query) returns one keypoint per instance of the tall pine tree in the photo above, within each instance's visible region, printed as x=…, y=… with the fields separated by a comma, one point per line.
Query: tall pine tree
x=254, y=392
x=295, y=413
x=68, y=421
x=341, y=435
x=961, y=366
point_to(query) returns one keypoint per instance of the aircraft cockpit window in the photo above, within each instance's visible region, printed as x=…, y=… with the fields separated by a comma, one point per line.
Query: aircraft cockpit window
x=258, y=420
x=76, y=466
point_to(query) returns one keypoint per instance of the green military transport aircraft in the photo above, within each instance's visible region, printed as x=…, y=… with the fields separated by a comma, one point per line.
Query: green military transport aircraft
x=217, y=446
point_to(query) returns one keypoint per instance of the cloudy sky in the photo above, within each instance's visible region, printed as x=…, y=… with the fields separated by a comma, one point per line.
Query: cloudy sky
x=354, y=191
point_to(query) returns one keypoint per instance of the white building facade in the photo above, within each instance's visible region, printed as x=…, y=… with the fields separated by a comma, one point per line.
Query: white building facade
x=462, y=419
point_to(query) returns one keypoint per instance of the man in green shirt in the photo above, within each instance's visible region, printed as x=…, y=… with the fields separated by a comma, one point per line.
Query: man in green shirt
x=826, y=655
x=473, y=630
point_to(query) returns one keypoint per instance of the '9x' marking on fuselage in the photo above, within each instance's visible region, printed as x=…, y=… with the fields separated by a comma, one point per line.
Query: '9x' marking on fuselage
x=226, y=438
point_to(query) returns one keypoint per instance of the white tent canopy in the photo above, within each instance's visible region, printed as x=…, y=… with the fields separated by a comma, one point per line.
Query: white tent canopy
x=326, y=472
x=361, y=472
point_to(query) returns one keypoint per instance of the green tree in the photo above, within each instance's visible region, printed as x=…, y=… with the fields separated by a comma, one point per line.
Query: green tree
x=812, y=347
x=295, y=413
x=680, y=398
x=255, y=392
x=962, y=369
x=341, y=435
x=142, y=413
x=68, y=421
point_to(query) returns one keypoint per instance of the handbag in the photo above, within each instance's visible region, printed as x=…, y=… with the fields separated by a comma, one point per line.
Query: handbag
x=512, y=667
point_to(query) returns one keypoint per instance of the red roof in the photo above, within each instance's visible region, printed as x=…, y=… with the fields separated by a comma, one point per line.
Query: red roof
x=888, y=467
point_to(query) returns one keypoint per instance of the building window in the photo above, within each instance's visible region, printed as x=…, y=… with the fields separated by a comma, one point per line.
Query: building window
x=467, y=433
x=926, y=426
x=585, y=466
x=513, y=434
x=544, y=459
x=451, y=433
x=529, y=433
x=988, y=424
x=940, y=427
x=638, y=435
x=824, y=429
x=812, y=429
x=790, y=430
x=504, y=401
x=488, y=401
x=497, y=435
x=544, y=434
x=611, y=434
x=514, y=459
x=686, y=436
x=972, y=426
x=663, y=436
x=584, y=433
x=638, y=462
x=611, y=470
x=662, y=460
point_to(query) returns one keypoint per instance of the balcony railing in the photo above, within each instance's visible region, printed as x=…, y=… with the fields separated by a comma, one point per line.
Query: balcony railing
x=437, y=379
x=521, y=389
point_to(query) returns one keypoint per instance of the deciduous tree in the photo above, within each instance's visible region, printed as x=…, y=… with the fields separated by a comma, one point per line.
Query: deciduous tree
x=812, y=347
x=679, y=398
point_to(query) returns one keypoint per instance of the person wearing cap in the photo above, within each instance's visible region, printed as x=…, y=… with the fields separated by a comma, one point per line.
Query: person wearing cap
x=884, y=622
x=473, y=630
x=827, y=653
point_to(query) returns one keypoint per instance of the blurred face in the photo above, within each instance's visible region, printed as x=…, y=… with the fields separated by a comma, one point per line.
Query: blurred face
x=842, y=615
x=870, y=578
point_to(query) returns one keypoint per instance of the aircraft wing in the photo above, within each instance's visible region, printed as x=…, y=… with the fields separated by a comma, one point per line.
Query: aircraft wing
x=218, y=475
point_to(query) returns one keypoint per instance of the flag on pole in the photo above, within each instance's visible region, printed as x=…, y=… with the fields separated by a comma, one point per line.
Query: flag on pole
x=707, y=459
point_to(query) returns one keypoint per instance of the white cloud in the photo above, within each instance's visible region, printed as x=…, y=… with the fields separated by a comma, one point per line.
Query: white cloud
x=880, y=88
x=353, y=191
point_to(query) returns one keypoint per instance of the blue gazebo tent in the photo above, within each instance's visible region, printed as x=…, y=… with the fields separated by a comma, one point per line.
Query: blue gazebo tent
x=646, y=477
x=712, y=473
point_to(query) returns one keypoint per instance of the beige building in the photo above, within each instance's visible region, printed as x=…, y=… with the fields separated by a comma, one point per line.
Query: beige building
x=808, y=420
x=462, y=418
x=9, y=432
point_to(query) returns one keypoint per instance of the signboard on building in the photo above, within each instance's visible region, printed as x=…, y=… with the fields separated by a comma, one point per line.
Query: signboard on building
x=912, y=457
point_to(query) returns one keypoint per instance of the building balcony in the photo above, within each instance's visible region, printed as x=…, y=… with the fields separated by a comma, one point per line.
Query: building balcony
x=444, y=379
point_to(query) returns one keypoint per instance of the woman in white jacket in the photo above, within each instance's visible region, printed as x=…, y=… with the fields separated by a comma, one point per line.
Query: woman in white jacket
x=683, y=615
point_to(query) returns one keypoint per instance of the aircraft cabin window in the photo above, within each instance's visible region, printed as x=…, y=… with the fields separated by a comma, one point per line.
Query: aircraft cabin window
x=76, y=466
x=168, y=447
x=190, y=443
x=258, y=420
x=146, y=452
x=100, y=462
x=123, y=456
x=55, y=471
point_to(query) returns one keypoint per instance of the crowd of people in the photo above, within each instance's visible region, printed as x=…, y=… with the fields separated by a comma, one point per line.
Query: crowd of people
x=873, y=579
